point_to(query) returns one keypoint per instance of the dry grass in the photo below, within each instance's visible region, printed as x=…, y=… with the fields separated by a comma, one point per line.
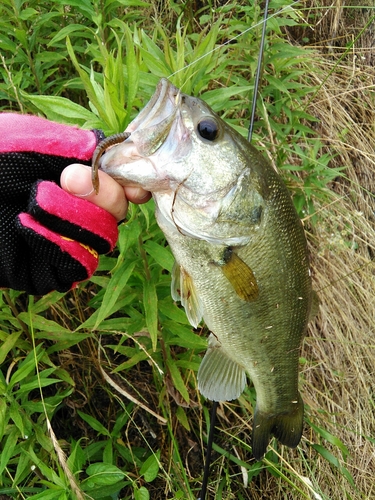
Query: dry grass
x=340, y=347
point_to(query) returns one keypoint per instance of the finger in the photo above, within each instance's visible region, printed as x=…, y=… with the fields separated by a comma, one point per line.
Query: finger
x=76, y=179
x=137, y=194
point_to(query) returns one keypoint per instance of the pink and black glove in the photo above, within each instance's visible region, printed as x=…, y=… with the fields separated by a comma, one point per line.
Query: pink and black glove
x=49, y=239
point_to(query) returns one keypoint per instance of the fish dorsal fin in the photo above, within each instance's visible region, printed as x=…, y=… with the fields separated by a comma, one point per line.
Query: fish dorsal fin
x=240, y=276
x=183, y=289
x=219, y=377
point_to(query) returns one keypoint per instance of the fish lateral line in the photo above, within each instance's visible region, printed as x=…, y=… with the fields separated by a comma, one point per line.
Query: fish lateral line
x=98, y=153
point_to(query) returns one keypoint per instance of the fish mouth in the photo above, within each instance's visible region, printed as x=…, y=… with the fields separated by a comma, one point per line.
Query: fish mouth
x=153, y=127
x=150, y=129
x=160, y=109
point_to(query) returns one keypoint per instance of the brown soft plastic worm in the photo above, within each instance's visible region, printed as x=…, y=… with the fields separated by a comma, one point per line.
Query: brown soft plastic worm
x=99, y=150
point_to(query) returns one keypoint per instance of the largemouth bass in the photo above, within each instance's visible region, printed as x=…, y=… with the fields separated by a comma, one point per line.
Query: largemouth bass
x=240, y=250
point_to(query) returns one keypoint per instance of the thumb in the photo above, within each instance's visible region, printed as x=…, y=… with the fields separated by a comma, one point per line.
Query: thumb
x=76, y=180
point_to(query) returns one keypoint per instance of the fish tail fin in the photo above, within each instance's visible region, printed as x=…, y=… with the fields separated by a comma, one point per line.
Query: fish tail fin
x=286, y=427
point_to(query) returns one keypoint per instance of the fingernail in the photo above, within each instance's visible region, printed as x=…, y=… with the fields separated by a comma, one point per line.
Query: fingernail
x=76, y=179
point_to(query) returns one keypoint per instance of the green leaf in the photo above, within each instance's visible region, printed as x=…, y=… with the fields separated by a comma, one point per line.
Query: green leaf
x=8, y=448
x=15, y=413
x=276, y=83
x=132, y=68
x=47, y=329
x=113, y=290
x=128, y=236
x=45, y=302
x=83, y=6
x=177, y=379
x=141, y=493
x=150, y=467
x=36, y=384
x=327, y=455
x=161, y=254
x=50, y=494
x=61, y=109
x=187, y=338
x=45, y=441
x=77, y=457
x=8, y=345
x=134, y=3
x=95, y=424
x=172, y=311
x=23, y=468
x=26, y=13
x=132, y=361
x=37, y=322
x=102, y=474
x=76, y=29
x=154, y=58
x=150, y=301
x=91, y=91
x=3, y=417
x=218, y=98
x=335, y=441
x=27, y=366
x=61, y=340
x=182, y=418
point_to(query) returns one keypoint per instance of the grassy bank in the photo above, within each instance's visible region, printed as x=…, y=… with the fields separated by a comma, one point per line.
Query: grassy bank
x=98, y=393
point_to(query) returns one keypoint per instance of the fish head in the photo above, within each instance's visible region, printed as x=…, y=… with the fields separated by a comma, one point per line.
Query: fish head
x=194, y=164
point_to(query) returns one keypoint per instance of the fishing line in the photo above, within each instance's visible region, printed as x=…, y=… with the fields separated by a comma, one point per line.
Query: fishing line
x=258, y=72
x=259, y=23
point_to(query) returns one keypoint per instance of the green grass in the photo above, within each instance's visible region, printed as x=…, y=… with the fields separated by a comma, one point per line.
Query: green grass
x=98, y=393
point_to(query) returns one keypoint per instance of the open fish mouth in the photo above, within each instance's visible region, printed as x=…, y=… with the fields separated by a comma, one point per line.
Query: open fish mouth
x=146, y=133
x=150, y=129
x=161, y=108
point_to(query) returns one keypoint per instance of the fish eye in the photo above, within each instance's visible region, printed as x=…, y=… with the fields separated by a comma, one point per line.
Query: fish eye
x=208, y=129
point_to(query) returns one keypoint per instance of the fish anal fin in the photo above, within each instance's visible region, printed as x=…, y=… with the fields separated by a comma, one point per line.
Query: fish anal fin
x=219, y=377
x=286, y=427
x=183, y=289
x=240, y=276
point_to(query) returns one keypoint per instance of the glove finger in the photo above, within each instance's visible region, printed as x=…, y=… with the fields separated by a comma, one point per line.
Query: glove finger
x=56, y=262
x=73, y=217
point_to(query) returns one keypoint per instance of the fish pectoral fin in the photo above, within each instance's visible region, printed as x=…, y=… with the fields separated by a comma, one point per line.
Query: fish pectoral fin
x=240, y=276
x=219, y=377
x=286, y=427
x=183, y=289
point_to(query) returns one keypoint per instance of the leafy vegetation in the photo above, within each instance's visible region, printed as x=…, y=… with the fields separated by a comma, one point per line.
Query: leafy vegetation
x=98, y=393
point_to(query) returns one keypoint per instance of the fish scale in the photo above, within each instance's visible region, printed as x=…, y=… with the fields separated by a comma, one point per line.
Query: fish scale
x=241, y=255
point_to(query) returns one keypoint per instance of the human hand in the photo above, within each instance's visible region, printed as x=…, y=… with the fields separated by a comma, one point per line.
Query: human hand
x=50, y=239
x=76, y=180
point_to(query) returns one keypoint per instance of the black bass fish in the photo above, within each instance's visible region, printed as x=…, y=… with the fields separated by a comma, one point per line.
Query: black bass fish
x=240, y=249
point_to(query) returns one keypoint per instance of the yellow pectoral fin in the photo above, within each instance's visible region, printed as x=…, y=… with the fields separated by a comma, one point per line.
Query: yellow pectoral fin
x=240, y=276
